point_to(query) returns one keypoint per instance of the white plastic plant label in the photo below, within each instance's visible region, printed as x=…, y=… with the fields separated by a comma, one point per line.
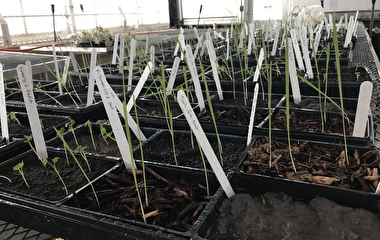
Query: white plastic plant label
x=110, y=93
x=115, y=45
x=363, y=109
x=113, y=117
x=195, y=77
x=296, y=47
x=253, y=112
x=293, y=75
x=173, y=75
x=152, y=57
x=57, y=69
x=132, y=54
x=275, y=42
x=258, y=66
x=91, y=83
x=3, y=108
x=305, y=51
x=318, y=37
x=227, y=44
x=251, y=39
x=214, y=65
x=139, y=86
x=204, y=143
x=31, y=109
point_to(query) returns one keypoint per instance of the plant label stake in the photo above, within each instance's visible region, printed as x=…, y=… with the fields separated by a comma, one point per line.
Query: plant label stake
x=258, y=66
x=330, y=26
x=318, y=37
x=203, y=45
x=241, y=40
x=204, y=143
x=119, y=106
x=146, y=44
x=340, y=23
x=253, y=111
x=121, y=52
x=195, y=77
x=31, y=109
x=293, y=76
x=115, y=45
x=180, y=45
x=350, y=30
x=3, y=108
x=74, y=62
x=66, y=69
x=152, y=55
x=131, y=59
x=227, y=43
x=173, y=75
x=363, y=108
x=113, y=117
x=57, y=69
x=305, y=52
x=90, y=92
x=196, y=33
x=199, y=45
x=251, y=38
x=214, y=64
x=276, y=37
x=139, y=86
x=296, y=47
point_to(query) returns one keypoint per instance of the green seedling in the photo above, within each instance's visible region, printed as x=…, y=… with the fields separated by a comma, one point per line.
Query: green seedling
x=211, y=109
x=66, y=146
x=12, y=117
x=81, y=149
x=141, y=153
x=89, y=125
x=53, y=164
x=287, y=93
x=19, y=167
x=70, y=125
x=103, y=131
x=337, y=64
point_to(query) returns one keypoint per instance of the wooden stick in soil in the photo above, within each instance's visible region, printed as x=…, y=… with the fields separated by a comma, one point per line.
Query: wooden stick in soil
x=156, y=175
x=152, y=214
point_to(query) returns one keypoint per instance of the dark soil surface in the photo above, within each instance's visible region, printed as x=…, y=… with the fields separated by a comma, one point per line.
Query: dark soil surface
x=38, y=96
x=278, y=216
x=315, y=104
x=304, y=121
x=160, y=149
x=172, y=203
x=246, y=100
x=316, y=163
x=237, y=115
x=67, y=101
x=44, y=182
x=155, y=109
x=102, y=146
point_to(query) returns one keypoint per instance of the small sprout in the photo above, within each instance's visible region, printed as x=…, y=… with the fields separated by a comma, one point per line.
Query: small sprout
x=357, y=75
x=28, y=139
x=13, y=117
x=81, y=149
x=19, y=168
x=89, y=125
x=70, y=125
x=44, y=161
x=103, y=131
x=38, y=85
